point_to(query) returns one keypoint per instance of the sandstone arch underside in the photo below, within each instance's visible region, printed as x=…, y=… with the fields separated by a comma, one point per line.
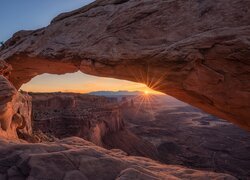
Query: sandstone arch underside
x=197, y=51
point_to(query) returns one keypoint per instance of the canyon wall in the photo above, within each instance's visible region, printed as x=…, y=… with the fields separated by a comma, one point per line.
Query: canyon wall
x=69, y=114
x=196, y=50
x=94, y=118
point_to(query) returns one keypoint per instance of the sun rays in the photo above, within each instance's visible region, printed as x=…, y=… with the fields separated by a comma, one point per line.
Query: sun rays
x=81, y=83
x=146, y=75
x=145, y=102
x=148, y=97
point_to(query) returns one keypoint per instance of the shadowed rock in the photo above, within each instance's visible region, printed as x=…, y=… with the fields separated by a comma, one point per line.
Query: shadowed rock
x=75, y=158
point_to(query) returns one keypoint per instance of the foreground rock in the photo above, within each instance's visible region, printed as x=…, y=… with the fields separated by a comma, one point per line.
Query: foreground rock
x=75, y=158
x=196, y=50
x=15, y=111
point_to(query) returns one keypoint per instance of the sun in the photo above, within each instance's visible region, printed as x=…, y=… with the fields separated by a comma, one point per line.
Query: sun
x=146, y=92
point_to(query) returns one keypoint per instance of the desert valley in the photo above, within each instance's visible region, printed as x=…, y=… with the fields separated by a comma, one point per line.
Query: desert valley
x=154, y=126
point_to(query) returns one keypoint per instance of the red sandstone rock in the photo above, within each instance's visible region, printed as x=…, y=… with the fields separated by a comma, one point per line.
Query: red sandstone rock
x=15, y=110
x=196, y=51
x=75, y=158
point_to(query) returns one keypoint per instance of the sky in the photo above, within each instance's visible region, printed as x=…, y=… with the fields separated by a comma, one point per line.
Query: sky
x=81, y=83
x=18, y=15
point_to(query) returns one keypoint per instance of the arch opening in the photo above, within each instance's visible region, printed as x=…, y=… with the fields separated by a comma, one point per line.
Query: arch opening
x=186, y=81
x=149, y=124
x=198, y=55
x=79, y=82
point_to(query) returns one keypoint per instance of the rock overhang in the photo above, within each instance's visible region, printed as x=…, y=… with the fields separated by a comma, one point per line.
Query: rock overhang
x=196, y=51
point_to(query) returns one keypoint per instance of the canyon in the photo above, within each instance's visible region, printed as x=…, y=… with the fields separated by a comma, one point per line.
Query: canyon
x=129, y=126
x=93, y=118
x=184, y=135
x=97, y=119
x=196, y=51
x=154, y=126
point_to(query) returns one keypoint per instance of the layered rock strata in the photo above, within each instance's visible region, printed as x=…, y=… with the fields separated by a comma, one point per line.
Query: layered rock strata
x=94, y=118
x=196, y=50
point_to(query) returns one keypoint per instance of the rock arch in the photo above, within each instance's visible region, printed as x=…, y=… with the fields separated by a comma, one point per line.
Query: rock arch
x=196, y=51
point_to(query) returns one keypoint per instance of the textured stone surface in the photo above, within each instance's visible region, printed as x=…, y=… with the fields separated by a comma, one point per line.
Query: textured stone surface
x=196, y=50
x=5, y=69
x=75, y=158
x=15, y=110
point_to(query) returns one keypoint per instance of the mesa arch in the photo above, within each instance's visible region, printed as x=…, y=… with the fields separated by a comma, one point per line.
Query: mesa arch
x=197, y=50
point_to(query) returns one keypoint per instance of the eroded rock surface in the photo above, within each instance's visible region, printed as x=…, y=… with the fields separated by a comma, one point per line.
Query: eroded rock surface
x=197, y=50
x=75, y=158
x=15, y=111
x=94, y=118
x=69, y=114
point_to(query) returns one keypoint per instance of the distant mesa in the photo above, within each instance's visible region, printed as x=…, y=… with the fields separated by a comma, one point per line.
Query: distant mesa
x=116, y=93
